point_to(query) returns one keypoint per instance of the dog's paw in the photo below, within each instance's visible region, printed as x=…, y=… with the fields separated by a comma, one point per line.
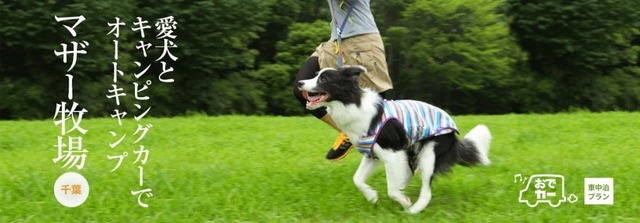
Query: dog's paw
x=371, y=196
x=413, y=210
x=407, y=203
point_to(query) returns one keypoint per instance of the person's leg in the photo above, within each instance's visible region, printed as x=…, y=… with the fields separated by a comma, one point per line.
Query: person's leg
x=342, y=144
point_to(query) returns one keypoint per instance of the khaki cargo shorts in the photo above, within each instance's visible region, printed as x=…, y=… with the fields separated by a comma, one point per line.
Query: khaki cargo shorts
x=366, y=50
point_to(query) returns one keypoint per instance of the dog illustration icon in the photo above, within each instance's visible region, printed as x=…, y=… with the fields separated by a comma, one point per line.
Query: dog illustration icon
x=544, y=188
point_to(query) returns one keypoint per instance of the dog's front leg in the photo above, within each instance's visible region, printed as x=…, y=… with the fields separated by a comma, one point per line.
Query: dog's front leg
x=398, y=174
x=426, y=162
x=366, y=168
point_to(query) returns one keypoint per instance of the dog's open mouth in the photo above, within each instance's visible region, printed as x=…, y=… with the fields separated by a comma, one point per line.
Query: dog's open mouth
x=314, y=98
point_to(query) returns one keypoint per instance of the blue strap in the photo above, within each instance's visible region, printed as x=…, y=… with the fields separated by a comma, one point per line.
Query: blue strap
x=344, y=22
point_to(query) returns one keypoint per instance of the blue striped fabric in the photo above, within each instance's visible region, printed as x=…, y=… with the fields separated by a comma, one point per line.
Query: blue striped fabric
x=420, y=120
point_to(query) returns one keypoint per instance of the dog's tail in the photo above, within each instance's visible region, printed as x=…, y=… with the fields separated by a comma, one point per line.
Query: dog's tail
x=474, y=147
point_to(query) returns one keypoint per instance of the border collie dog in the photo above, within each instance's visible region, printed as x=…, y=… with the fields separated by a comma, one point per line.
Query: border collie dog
x=404, y=134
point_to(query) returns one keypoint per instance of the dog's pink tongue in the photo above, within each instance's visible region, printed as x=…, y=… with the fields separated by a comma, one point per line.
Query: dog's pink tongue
x=312, y=101
x=313, y=98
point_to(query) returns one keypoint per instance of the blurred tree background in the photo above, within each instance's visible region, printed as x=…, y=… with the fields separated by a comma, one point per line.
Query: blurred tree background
x=240, y=56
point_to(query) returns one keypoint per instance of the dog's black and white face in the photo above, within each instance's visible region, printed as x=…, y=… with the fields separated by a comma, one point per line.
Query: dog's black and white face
x=332, y=85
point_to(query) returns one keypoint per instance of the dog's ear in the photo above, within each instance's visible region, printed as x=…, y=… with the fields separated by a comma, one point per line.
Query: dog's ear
x=353, y=71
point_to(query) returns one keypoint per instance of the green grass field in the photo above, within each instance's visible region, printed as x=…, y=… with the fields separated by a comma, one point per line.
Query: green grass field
x=272, y=169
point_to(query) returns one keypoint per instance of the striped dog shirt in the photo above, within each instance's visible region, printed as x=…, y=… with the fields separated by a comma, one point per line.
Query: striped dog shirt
x=420, y=121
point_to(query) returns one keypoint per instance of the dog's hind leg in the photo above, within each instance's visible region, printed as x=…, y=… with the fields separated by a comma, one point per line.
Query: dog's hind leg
x=426, y=162
x=366, y=168
x=398, y=174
